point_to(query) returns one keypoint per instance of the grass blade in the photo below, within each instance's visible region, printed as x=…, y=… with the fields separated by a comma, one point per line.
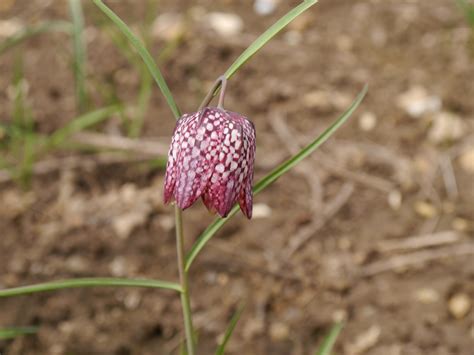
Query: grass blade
x=88, y=282
x=13, y=332
x=22, y=144
x=31, y=31
x=79, y=124
x=143, y=100
x=468, y=10
x=229, y=331
x=271, y=32
x=273, y=176
x=330, y=340
x=79, y=62
x=146, y=56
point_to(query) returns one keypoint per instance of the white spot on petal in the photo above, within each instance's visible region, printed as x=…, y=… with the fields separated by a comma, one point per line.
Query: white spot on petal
x=195, y=152
x=220, y=168
x=234, y=135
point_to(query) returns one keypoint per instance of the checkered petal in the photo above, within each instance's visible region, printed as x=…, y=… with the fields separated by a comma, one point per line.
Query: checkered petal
x=212, y=155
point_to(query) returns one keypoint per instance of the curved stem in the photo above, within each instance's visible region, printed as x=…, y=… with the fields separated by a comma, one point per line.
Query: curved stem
x=220, y=82
x=183, y=278
x=220, y=103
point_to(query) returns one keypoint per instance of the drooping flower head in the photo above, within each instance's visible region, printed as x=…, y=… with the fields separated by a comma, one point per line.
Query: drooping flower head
x=212, y=156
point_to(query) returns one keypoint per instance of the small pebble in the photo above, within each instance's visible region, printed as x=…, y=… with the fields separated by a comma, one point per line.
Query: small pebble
x=425, y=209
x=416, y=102
x=367, y=121
x=459, y=305
x=339, y=315
x=427, y=295
x=222, y=279
x=76, y=264
x=460, y=225
x=10, y=27
x=225, y=24
x=118, y=266
x=317, y=98
x=446, y=127
x=261, y=210
x=293, y=38
x=264, y=7
x=364, y=341
x=394, y=199
x=466, y=160
x=279, y=331
x=132, y=300
x=168, y=26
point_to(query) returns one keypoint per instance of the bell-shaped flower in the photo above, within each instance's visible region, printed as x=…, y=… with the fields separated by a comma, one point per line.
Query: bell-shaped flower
x=212, y=156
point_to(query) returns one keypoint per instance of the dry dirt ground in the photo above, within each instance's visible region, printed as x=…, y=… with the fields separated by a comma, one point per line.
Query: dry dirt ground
x=375, y=229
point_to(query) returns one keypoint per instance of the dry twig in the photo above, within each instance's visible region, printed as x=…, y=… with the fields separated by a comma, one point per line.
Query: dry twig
x=420, y=241
x=421, y=257
x=75, y=162
x=329, y=211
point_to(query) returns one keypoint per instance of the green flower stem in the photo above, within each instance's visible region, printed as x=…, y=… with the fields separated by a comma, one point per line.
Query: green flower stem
x=183, y=278
x=221, y=82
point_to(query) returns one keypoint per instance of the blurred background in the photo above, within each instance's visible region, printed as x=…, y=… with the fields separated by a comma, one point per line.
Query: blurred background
x=375, y=229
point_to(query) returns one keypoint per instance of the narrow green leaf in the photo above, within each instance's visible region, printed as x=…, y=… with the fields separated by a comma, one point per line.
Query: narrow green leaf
x=79, y=124
x=79, y=60
x=143, y=100
x=88, y=282
x=268, y=35
x=468, y=10
x=13, y=332
x=330, y=340
x=229, y=330
x=273, y=176
x=182, y=348
x=31, y=31
x=22, y=145
x=146, y=56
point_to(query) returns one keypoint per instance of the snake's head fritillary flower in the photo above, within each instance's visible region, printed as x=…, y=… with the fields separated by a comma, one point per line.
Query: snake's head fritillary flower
x=212, y=156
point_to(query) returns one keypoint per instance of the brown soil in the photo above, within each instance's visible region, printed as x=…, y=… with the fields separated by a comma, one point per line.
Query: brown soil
x=69, y=223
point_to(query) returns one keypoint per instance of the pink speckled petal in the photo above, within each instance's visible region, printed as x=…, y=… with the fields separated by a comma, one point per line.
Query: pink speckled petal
x=212, y=155
x=245, y=201
x=171, y=165
x=200, y=154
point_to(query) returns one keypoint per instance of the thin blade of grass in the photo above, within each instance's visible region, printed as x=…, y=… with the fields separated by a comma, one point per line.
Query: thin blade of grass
x=330, y=340
x=229, y=330
x=22, y=145
x=468, y=10
x=88, y=282
x=31, y=31
x=13, y=332
x=143, y=100
x=79, y=60
x=146, y=56
x=273, y=176
x=79, y=124
x=271, y=32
